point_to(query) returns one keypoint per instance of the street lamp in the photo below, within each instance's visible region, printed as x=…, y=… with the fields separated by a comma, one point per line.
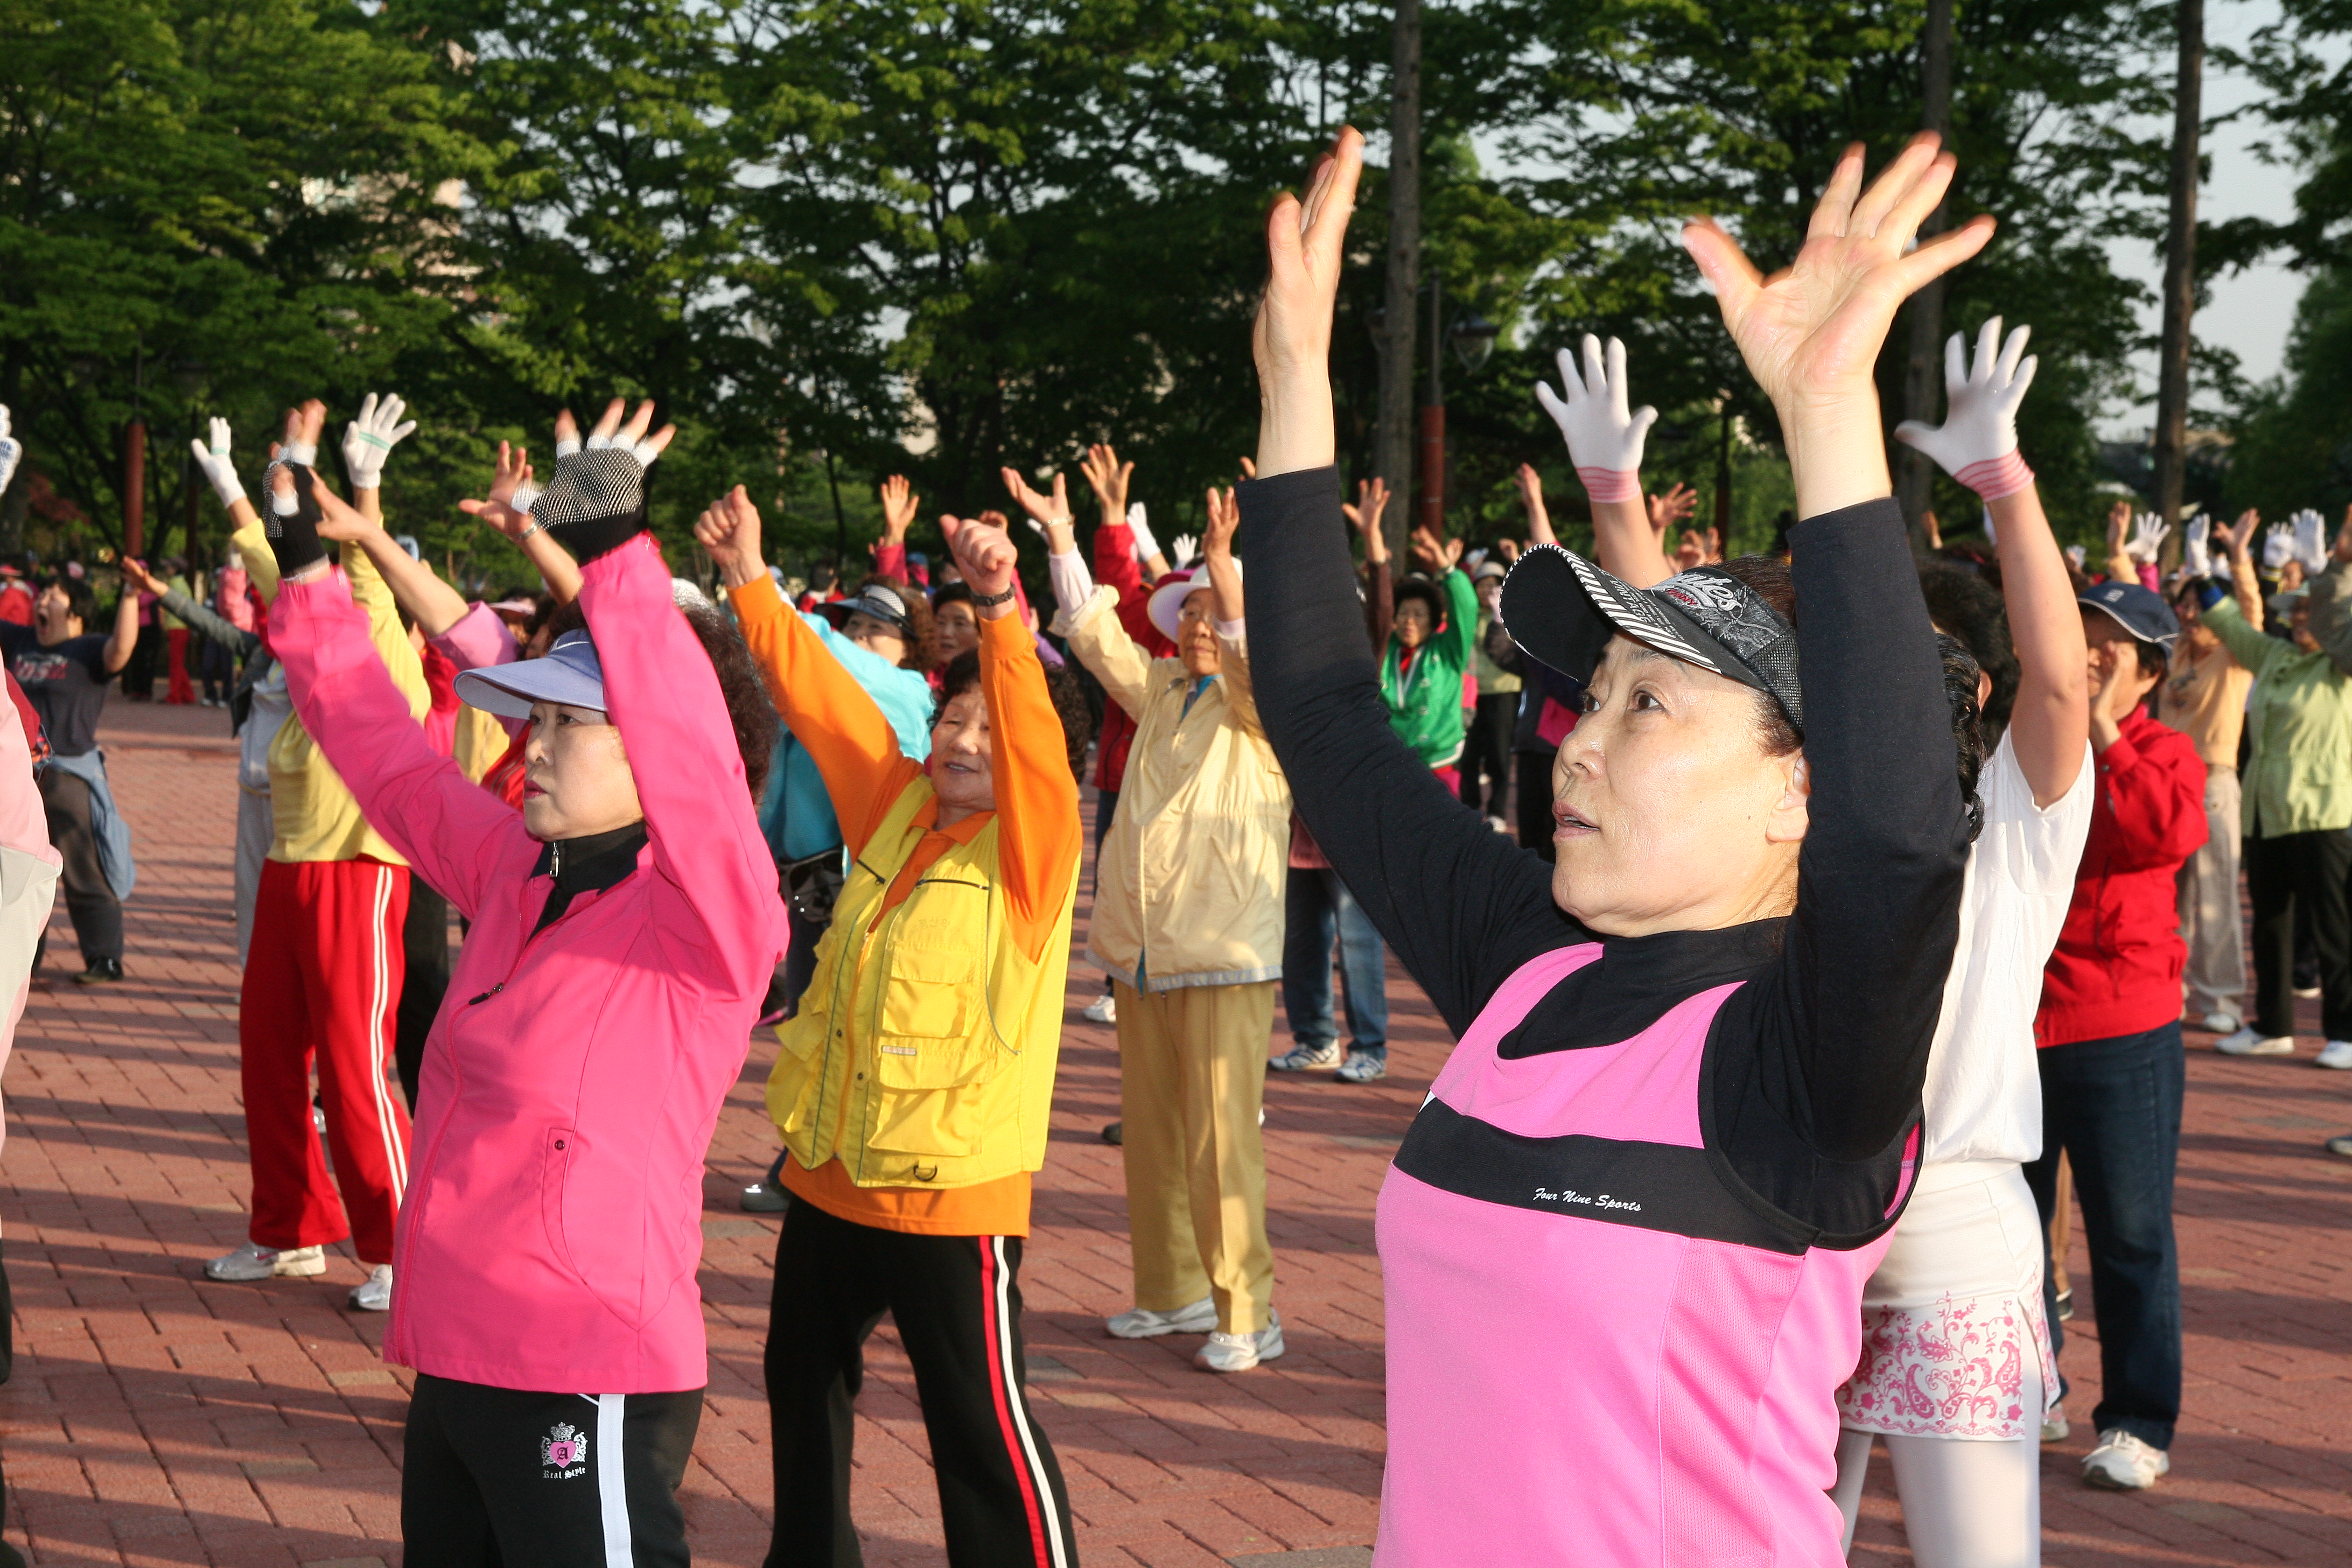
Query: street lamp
x=1473, y=339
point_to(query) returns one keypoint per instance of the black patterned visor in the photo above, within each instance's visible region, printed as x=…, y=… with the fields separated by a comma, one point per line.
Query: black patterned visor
x=1562, y=609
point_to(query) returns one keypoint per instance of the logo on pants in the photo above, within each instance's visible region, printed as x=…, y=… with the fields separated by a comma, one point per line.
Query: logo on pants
x=563, y=1453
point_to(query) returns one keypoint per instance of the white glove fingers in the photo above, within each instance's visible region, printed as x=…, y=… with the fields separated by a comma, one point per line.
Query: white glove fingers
x=1956, y=369
x=1616, y=368
x=1551, y=400
x=1638, y=430
x=2012, y=352
x=1988, y=351
x=1596, y=374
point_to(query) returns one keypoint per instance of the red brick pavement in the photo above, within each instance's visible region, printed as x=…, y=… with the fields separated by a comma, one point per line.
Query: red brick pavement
x=156, y=1418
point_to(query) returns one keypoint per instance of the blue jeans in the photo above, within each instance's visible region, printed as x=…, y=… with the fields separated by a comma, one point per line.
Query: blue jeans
x=2113, y=1106
x=1318, y=908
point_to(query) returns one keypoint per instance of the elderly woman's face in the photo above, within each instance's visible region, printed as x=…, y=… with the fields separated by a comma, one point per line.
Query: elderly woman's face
x=1413, y=622
x=954, y=629
x=576, y=777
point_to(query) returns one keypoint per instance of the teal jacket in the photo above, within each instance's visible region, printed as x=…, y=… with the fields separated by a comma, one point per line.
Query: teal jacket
x=795, y=812
x=1425, y=698
x=2298, y=775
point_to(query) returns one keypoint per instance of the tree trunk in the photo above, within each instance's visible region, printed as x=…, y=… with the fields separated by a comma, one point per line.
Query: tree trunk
x=1913, y=471
x=2179, y=271
x=1395, y=438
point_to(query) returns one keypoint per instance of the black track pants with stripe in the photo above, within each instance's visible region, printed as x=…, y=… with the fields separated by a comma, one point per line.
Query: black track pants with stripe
x=958, y=1307
x=498, y=1478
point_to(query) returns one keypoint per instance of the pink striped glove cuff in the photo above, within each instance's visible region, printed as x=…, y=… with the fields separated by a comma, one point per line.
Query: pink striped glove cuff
x=1996, y=477
x=1611, y=484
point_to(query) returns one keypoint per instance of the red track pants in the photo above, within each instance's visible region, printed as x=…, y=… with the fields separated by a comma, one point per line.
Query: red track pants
x=322, y=981
x=175, y=642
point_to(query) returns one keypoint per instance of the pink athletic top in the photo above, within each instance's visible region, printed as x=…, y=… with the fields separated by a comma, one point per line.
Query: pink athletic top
x=1614, y=1351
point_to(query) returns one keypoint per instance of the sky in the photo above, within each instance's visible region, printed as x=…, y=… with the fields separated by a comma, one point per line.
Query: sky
x=2251, y=312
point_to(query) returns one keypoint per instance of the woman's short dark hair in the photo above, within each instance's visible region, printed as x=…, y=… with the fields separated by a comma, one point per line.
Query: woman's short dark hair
x=1417, y=587
x=1964, y=603
x=917, y=635
x=80, y=603
x=1768, y=576
x=957, y=592
x=1068, y=693
x=749, y=711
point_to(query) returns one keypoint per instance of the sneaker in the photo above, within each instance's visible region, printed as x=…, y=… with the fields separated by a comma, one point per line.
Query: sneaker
x=1103, y=1009
x=102, y=971
x=2247, y=1042
x=2122, y=1463
x=1143, y=1324
x=1363, y=1066
x=2336, y=1054
x=1239, y=1352
x=1115, y=1134
x=2306, y=992
x=252, y=1262
x=762, y=1198
x=376, y=1294
x=2224, y=1023
x=2066, y=1305
x=2054, y=1424
x=2340, y=1145
x=1307, y=1058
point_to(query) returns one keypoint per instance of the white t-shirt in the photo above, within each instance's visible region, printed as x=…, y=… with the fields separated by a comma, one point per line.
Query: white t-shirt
x=1984, y=1090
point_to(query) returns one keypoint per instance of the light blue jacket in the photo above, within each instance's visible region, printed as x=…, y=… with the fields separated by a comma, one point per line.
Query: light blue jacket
x=795, y=812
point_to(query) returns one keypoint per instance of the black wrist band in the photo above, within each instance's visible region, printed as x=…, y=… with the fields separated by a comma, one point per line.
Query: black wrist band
x=990, y=600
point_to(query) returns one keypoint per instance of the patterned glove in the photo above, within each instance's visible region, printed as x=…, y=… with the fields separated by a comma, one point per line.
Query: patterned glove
x=369, y=439
x=1604, y=441
x=1977, y=442
x=293, y=525
x=596, y=501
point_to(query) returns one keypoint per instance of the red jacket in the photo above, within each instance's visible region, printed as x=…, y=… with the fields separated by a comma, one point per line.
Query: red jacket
x=2116, y=970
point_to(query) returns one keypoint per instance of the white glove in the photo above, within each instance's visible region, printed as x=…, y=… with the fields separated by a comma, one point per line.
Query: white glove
x=1146, y=547
x=1604, y=441
x=2196, y=548
x=2311, y=541
x=2148, y=531
x=214, y=462
x=369, y=439
x=12, y=451
x=646, y=451
x=565, y=445
x=525, y=496
x=2278, y=546
x=1977, y=442
x=1185, y=545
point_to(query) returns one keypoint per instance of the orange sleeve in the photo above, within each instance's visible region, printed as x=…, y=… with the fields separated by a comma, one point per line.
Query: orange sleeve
x=826, y=710
x=1038, y=834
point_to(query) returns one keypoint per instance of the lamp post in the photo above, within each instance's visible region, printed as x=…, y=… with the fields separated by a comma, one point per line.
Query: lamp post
x=1473, y=339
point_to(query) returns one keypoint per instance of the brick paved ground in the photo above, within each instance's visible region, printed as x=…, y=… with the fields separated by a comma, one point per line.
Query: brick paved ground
x=156, y=1418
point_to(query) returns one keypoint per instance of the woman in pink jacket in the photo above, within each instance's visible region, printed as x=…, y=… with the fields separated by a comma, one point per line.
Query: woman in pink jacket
x=625, y=925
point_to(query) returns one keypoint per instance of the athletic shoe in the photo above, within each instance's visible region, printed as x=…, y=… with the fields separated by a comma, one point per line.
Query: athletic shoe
x=1239, y=1352
x=2336, y=1054
x=376, y=1294
x=1115, y=1134
x=2066, y=1305
x=2222, y=1023
x=1143, y=1324
x=1307, y=1058
x=1363, y=1066
x=2249, y=1042
x=762, y=1198
x=2054, y=1424
x=2340, y=1145
x=1103, y=1009
x=250, y=1263
x=2122, y=1463
x=103, y=972
x=2306, y=992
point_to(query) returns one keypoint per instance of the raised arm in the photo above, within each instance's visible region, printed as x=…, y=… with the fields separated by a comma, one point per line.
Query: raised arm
x=1976, y=445
x=1844, y=1020
x=1459, y=905
x=507, y=510
x=125, y=636
x=1092, y=617
x=1604, y=442
x=216, y=627
x=848, y=736
x=1380, y=585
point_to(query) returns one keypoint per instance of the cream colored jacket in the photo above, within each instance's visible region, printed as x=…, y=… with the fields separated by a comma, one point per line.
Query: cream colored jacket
x=1191, y=878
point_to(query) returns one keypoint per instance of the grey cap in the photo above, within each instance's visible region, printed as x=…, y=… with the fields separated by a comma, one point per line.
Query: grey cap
x=570, y=674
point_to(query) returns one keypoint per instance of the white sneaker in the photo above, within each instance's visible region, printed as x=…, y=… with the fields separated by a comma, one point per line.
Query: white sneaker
x=1143, y=1324
x=1363, y=1066
x=2122, y=1463
x=2054, y=1424
x=2336, y=1054
x=1307, y=1058
x=376, y=1294
x=2246, y=1042
x=2306, y=992
x=1239, y=1352
x=250, y=1263
x=2224, y=1023
x=1103, y=1009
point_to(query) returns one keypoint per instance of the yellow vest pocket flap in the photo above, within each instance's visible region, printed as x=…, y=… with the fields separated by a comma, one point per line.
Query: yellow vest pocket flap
x=930, y=994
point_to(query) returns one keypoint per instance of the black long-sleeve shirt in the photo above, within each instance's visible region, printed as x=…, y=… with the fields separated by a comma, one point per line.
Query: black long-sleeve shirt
x=1815, y=1065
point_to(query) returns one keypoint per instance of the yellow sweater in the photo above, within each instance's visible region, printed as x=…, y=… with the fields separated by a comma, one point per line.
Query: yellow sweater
x=314, y=813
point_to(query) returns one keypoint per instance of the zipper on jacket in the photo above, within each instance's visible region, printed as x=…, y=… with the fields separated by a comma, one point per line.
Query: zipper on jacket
x=488, y=995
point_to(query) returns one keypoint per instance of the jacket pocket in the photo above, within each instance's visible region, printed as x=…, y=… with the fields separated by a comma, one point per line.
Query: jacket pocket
x=930, y=994
x=557, y=1147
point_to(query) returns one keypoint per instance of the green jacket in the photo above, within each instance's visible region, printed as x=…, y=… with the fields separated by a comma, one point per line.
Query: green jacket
x=1425, y=700
x=2299, y=718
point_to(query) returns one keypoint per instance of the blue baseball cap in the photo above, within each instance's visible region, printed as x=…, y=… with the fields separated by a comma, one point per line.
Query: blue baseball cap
x=570, y=674
x=2139, y=611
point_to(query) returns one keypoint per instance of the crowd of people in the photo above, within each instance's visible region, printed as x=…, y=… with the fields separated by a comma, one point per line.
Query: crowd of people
x=1818, y=928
